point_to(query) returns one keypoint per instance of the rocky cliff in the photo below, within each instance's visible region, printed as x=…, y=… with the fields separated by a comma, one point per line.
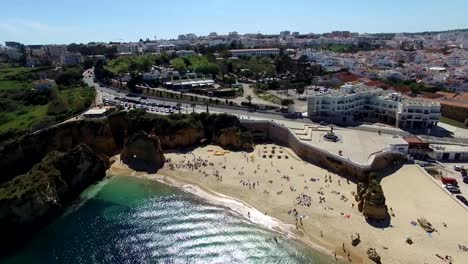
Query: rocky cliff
x=234, y=138
x=143, y=152
x=31, y=199
x=41, y=172
x=372, y=200
x=19, y=156
x=182, y=138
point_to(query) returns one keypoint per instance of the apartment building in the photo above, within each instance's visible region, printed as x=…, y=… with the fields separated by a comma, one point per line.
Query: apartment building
x=360, y=102
x=255, y=52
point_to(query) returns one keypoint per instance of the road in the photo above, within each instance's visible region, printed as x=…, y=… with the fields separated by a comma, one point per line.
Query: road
x=242, y=113
x=110, y=94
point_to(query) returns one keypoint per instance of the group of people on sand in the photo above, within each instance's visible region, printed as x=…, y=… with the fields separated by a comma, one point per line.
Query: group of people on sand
x=304, y=200
x=251, y=185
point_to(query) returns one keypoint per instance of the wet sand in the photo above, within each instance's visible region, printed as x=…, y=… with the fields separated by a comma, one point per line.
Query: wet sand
x=315, y=206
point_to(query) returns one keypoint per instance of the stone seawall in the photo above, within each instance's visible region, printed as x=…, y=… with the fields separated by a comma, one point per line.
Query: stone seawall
x=284, y=136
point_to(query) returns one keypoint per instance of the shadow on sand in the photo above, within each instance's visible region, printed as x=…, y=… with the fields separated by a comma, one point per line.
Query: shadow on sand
x=381, y=224
x=142, y=165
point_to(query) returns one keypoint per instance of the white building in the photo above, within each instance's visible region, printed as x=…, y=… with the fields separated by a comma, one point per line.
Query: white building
x=285, y=33
x=255, y=52
x=71, y=58
x=185, y=53
x=233, y=34
x=132, y=48
x=359, y=102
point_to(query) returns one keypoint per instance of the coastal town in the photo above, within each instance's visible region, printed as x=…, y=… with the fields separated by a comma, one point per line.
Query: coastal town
x=352, y=144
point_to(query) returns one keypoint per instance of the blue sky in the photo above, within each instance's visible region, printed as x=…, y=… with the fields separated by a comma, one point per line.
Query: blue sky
x=66, y=21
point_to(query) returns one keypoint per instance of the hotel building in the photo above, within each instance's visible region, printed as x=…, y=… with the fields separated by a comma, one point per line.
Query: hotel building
x=359, y=102
x=254, y=52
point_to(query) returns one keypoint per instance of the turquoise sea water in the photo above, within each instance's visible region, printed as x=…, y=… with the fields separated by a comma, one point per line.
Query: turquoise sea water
x=130, y=220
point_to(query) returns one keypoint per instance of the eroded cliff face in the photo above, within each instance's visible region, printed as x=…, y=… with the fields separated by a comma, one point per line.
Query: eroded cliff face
x=42, y=172
x=143, y=152
x=19, y=156
x=31, y=199
x=371, y=200
x=182, y=138
x=232, y=138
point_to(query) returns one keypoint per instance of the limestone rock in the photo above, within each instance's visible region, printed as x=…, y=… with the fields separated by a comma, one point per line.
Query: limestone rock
x=143, y=151
x=372, y=255
x=20, y=156
x=183, y=138
x=233, y=138
x=373, y=200
x=29, y=200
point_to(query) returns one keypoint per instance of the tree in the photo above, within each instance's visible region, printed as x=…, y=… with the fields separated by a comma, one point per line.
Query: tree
x=193, y=107
x=179, y=106
x=300, y=90
x=68, y=77
x=249, y=98
x=88, y=63
x=285, y=86
x=179, y=64
x=207, y=107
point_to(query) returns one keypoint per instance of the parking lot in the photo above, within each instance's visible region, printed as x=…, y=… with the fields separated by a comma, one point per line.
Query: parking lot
x=448, y=170
x=139, y=103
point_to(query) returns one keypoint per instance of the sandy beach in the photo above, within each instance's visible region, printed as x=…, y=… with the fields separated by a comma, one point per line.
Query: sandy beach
x=271, y=186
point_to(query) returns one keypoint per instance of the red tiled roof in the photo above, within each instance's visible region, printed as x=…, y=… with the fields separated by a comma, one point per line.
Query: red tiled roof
x=446, y=94
x=431, y=95
x=346, y=77
x=413, y=140
x=401, y=89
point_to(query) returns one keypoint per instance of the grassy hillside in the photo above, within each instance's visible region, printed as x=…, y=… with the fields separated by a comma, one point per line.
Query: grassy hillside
x=24, y=108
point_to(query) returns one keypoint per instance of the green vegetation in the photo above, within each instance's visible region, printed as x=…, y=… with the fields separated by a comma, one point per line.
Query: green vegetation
x=23, y=108
x=452, y=122
x=195, y=63
x=414, y=86
x=127, y=64
x=254, y=67
x=268, y=97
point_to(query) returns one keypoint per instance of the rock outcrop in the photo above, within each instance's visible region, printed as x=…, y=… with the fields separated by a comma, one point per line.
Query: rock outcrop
x=30, y=200
x=371, y=200
x=182, y=138
x=233, y=138
x=20, y=156
x=372, y=255
x=143, y=152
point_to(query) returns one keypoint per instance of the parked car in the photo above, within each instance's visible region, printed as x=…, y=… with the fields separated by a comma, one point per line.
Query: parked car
x=465, y=179
x=453, y=189
x=456, y=167
x=448, y=180
x=462, y=199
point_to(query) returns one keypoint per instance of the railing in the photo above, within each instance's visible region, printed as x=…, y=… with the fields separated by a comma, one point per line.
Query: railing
x=297, y=141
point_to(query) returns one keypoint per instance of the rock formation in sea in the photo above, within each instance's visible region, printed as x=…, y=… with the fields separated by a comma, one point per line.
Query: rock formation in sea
x=30, y=200
x=143, y=152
